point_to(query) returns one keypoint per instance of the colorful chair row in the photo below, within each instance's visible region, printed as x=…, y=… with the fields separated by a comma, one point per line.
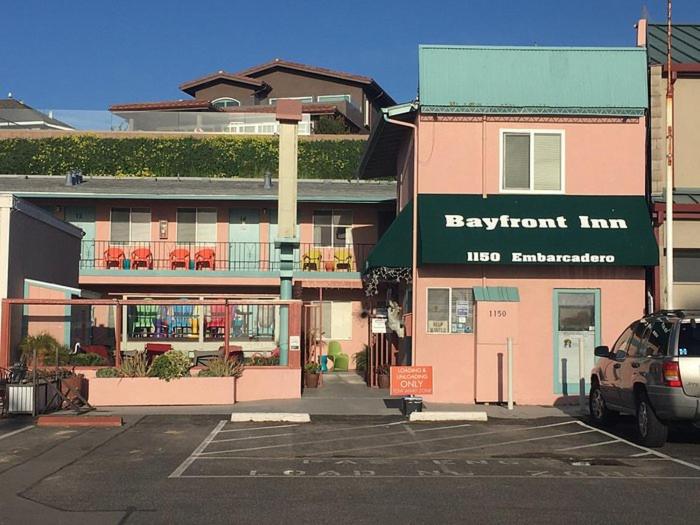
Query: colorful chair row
x=115, y=257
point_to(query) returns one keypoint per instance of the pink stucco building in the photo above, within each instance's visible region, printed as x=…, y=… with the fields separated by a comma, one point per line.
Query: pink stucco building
x=528, y=169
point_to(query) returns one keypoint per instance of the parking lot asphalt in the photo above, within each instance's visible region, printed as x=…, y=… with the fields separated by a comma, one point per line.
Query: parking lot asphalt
x=206, y=469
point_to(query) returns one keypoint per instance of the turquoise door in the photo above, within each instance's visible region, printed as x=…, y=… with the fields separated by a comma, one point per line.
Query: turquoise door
x=84, y=218
x=576, y=332
x=244, y=239
x=274, y=252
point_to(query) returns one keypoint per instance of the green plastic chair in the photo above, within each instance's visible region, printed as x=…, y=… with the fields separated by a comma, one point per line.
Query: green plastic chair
x=341, y=361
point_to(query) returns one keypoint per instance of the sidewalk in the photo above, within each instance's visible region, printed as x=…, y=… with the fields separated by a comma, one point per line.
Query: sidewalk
x=344, y=394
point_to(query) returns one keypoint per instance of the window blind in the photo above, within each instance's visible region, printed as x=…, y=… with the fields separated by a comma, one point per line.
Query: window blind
x=516, y=162
x=119, y=228
x=547, y=162
x=206, y=225
x=186, y=225
x=438, y=310
x=140, y=225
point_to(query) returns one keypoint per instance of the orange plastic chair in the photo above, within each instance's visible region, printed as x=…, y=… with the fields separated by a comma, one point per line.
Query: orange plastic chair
x=114, y=258
x=206, y=257
x=141, y=258
x=180, y=258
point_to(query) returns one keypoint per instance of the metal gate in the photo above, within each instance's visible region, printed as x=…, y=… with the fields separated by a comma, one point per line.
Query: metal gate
x=312, y=333
x=382, y=352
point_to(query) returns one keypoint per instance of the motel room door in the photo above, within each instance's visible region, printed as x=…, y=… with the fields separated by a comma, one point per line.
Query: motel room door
x=576, y=322
x=244, y=239
x=84, y=218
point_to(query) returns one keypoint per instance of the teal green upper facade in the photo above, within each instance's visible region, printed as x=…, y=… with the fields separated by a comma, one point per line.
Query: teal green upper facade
x=532, y=80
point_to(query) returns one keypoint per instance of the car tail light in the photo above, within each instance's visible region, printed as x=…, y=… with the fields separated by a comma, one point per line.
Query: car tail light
x=672, y=374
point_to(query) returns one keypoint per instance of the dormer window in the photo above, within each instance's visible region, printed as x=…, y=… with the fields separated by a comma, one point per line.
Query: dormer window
x=225, y=102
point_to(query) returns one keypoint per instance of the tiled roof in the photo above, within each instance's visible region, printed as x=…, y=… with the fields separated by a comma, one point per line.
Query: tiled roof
x=165, y=105
x=278, y=62
x=16, y=113
x=193, y=188
x=685, y=45
x=221, y=75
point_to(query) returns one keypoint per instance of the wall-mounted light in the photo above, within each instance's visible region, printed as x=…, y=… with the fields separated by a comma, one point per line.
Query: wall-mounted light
x=163, y=229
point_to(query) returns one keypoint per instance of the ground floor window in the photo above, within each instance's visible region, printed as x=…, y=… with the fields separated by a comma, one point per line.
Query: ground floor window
x=450, y=310
x=686, y=265
x=336, y=320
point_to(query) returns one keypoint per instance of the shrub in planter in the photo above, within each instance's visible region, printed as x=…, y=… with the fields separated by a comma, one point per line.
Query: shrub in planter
x=88, y=359
x=311, y=374
x=134, y=366
x=107, y=372
x=383, y=376
x=360, y=359
x=171, y=365
x=221, y=367
x=46, y=347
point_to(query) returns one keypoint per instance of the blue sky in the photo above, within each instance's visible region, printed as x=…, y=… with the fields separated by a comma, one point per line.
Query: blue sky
x=88, y=54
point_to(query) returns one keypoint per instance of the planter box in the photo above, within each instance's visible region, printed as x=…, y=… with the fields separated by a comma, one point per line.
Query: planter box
x=150, y=391
x=20, y=398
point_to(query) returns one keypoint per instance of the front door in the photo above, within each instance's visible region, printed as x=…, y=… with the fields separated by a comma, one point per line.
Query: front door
x=244, y=239
x=84, y=218
x=576, y=330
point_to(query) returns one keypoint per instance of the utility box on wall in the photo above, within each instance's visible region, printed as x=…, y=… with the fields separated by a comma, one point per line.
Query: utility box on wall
x=496, y=321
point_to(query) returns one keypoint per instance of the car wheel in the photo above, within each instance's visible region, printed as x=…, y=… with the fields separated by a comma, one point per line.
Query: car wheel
x=600, y=413
x=651, y=432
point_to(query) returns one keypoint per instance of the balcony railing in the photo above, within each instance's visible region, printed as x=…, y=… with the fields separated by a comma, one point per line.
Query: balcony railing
x=218, y=256
x=146, y=121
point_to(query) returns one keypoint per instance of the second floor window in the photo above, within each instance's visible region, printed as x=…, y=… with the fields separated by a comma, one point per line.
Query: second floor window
x=304, y=100
x=225, y=102
x=532, y=161
x=130, y=225
x=333, y=227
x=196, y=225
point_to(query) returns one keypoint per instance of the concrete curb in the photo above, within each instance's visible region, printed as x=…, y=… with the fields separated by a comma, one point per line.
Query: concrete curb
x=277, y=417
x=448, y=416
x=79, y=421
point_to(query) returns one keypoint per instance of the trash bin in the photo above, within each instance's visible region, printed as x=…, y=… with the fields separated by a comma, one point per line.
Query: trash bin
x=412, y=404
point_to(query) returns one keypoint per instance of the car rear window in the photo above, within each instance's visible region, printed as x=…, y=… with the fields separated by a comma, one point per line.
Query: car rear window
x=689, y=340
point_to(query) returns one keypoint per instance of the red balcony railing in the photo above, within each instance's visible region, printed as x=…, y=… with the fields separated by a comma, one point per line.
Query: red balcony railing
x=218, y=256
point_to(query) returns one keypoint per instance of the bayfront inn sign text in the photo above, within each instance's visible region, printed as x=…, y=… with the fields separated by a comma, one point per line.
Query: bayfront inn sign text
x=535, y=229
x=506, y=221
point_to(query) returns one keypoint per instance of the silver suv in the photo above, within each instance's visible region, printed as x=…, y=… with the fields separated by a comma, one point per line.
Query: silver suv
x=653, y=372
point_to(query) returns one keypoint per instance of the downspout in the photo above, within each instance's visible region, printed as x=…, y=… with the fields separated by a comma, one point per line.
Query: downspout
x=414, y=251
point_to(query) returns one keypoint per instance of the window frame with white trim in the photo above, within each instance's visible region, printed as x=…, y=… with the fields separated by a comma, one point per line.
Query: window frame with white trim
x=304, y=100
x=199, y=226
x=334, y=98
x=334, y=227
x=453, y=326
x=145, y=231
x=532, y=161
x=217, y=102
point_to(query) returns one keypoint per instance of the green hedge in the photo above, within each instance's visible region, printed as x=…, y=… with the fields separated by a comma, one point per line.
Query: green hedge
x=171, y=157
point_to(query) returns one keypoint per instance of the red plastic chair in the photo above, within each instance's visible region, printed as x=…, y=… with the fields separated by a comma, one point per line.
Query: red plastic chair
x=141, y=258
x=217, y=320
x=180, y=258
x=114, y=258
x=206, y=257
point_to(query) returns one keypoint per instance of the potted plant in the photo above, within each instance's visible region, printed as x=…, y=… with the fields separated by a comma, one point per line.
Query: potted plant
x=311, y=374
x=383, y=376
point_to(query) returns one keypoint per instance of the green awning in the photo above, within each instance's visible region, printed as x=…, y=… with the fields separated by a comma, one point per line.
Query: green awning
x=499, y=294
x=535, y=229
x=394, y=249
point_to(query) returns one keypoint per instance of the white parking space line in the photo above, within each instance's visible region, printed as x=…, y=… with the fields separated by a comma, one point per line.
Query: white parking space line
x=259, y=436
x=15, y=432
x=442, y=428
x=645, y=449
x=516, y=441
x=590, y=445
x=446, y=438
x=641, y=454
x=257, y=428
x=192, y=457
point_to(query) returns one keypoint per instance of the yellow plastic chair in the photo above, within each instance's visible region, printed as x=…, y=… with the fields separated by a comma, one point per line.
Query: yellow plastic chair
x=343, y=259
x=311, y=260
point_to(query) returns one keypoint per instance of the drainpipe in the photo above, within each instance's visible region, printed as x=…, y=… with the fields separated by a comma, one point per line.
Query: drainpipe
x=669, y=164
x=414, y=251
